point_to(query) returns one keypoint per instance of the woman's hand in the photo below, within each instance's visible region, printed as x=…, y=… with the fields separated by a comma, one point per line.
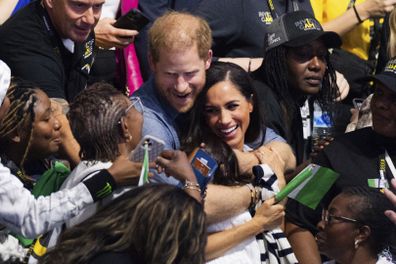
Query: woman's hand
x=126, y=172
x=266, y=155
x=269, y=215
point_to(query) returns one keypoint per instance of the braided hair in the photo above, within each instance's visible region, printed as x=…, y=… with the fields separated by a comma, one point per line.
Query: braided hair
x=94, y=117
x=369, y=210
x=20, y=117
x=274, y=71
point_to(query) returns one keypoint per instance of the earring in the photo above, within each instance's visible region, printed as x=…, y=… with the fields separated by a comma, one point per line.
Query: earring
x=357, y=244
x=128, y=136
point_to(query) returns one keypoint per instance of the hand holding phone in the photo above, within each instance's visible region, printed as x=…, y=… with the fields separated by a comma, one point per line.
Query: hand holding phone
x=155, y=147
x=134, y=20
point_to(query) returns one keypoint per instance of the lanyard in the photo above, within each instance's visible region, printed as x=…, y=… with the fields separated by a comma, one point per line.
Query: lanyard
x=385, y=159
x=274, y=14
x=390, y=164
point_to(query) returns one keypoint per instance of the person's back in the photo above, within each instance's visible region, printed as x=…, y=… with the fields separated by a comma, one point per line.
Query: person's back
x=238, y=25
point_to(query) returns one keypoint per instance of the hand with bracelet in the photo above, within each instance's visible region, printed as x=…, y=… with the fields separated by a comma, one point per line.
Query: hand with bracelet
x=175, y=163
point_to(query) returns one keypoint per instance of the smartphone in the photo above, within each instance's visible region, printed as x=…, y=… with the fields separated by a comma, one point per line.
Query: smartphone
x=134, y=20
x=204, y=167
x=357, y=102
x=155, y=147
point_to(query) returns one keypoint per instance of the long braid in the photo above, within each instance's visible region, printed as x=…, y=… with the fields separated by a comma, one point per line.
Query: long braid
x=276, y=76
x=22, y=98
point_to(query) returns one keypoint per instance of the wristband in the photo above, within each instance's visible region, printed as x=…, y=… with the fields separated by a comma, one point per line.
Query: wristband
x=100, y=185
x=357, y=14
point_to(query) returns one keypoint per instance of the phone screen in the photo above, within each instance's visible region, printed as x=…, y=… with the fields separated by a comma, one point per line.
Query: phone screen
x=204, y=167
x=134, y=20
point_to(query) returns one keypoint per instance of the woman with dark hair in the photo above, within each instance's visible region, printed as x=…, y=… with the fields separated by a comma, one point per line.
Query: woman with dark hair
x=29, y=137
x=150, y=224
x=225, y=117
x=296, y=67
x=106, y=125
x=354, y=228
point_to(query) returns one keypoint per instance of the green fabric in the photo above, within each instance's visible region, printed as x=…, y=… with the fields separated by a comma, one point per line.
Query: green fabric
x=309, y=186
x=49, y=182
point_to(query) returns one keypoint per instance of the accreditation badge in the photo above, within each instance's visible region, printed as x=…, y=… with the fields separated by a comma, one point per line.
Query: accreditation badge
x=378, y=183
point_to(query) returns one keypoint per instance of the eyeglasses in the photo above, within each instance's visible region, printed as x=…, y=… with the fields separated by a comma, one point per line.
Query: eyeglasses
x=331, y=219
x=136, y=103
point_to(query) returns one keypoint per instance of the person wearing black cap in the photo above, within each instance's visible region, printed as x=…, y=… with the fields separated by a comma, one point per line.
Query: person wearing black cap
x=296, y=67
x=364, y=157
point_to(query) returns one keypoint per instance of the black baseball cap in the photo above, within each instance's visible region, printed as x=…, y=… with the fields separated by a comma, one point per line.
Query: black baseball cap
x=388, y=76
x=296, y=29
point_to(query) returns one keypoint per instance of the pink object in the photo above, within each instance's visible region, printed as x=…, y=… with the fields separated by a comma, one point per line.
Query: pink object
x=127, y=58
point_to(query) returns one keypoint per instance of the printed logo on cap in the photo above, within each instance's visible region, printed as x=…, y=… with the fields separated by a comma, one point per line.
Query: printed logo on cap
x=308, y=24
x=391, y=67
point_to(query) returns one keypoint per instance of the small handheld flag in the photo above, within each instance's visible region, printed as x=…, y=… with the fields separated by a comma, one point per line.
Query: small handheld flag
x=145, y=167
x=309, y=186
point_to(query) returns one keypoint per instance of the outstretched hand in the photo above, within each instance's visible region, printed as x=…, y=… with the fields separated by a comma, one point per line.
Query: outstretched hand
x=175, y=163
x=126, y=172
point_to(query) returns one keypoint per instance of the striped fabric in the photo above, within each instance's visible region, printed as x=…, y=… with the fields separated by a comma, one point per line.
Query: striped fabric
x=274, y=246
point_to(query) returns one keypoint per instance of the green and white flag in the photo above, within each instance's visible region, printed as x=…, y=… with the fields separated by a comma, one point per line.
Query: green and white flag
x=309, y=186
x=145, y=167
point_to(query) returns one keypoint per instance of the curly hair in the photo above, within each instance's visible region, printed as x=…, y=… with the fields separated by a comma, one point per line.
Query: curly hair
x=368, y=208
x=94, y=117
x=154, y=224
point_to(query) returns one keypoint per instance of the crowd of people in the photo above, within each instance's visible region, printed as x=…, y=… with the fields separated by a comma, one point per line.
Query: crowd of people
x=247, y=84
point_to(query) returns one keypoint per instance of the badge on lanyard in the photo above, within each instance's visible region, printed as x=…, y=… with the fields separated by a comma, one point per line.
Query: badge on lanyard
x=382, y=182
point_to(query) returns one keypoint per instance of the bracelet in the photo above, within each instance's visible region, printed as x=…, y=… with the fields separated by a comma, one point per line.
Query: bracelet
x=357, y=14
x=191, y=186
x=252, y=195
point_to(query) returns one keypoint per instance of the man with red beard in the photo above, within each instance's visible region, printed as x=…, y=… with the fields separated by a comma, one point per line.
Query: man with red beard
x=364, y=157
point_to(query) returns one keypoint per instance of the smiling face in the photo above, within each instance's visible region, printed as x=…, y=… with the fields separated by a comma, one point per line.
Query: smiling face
x=180, y=76
x=383, y=108
x=74, y=19
x=336, y=238
x=227, y=113
x=307, y=66
x=46, y=138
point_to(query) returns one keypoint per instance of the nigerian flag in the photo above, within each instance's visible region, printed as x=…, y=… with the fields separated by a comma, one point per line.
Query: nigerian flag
x=309, y=186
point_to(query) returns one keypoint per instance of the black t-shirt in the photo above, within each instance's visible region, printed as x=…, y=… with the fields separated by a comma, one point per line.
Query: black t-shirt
x=238, y=26
x=355, y=156
x=36, y=53
x=275, y=118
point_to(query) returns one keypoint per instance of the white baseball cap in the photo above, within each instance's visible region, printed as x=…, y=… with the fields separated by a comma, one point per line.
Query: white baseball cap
x=5, y=79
